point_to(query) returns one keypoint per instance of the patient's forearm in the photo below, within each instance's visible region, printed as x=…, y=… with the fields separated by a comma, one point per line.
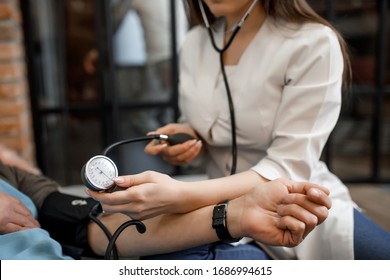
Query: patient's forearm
x=261, y=214
x=167, y=233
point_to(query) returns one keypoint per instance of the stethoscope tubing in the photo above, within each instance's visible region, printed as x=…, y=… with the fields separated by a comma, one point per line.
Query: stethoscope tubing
x=225, y=79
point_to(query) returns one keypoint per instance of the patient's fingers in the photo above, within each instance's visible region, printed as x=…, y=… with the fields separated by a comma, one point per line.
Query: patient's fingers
x=309, y=219
x=320, y=209
x=315, y=193
x=294, y=230
x=319, y=197
x=304, y=187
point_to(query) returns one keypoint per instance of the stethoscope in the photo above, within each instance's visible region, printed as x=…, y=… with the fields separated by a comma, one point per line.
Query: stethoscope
x=225, y=79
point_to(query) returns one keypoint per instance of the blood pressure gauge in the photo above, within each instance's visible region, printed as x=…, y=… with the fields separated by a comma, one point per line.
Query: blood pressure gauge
x=98, y=172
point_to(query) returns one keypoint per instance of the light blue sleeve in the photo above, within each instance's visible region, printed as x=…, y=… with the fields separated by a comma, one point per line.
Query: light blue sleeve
x=31, y=244
x=8, y=189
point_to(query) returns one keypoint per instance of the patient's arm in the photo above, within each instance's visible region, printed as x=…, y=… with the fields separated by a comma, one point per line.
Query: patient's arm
x=11, y=158
x=288, y=211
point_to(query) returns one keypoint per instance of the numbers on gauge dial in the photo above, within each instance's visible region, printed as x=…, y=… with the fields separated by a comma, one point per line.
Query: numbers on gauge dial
x=100, y=171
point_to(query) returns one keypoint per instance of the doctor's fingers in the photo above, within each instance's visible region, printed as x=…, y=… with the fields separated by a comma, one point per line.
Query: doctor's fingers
x=154, y=148
x=175, y=150
x=134, y=210
x=170, y=128
x=183, y=153
x=173, y=128
x=140, y=202
x=114, y=198
x=147, y=194
x=149, y=176
x=113, y=203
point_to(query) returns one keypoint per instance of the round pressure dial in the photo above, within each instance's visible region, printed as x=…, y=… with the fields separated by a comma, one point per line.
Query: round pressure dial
x=98, y=172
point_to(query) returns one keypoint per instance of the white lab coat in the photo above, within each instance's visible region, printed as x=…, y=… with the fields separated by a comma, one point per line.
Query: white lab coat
x=286, y=90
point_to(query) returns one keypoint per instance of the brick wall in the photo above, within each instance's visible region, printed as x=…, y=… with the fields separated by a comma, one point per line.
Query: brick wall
x=15, y=117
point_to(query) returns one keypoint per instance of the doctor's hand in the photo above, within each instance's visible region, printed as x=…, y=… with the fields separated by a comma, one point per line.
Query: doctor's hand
x=145, y=195
x=280, y=212
x=177, y=154
x=14, y=216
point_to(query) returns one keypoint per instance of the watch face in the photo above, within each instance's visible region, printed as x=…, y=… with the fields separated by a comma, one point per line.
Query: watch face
x=219, y=224
x=219, y=215
x=99, y=172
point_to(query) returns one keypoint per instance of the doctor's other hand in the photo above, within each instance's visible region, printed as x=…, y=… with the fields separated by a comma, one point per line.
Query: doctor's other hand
x=281, y=212
x=178, y=154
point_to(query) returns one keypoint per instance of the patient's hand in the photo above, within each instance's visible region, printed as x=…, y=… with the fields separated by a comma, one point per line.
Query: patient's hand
x=281, y=212
x=14, y=216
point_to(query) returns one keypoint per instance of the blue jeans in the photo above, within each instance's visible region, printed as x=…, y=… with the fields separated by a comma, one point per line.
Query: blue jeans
x=371, y=242
x=215, y=251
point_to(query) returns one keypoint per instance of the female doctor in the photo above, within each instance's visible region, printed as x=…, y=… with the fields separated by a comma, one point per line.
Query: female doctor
x=260, y=89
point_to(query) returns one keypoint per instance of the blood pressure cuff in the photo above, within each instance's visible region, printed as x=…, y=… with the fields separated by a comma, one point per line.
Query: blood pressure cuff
x=66, y=218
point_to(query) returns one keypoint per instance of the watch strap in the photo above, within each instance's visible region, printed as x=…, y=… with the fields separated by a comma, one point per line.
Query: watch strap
x=219, y=223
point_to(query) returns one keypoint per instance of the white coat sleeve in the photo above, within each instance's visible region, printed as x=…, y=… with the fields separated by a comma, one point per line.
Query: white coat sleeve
x=309, y=108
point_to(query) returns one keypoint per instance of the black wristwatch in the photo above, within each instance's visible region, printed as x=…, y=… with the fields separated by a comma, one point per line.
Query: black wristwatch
x=219, y=223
